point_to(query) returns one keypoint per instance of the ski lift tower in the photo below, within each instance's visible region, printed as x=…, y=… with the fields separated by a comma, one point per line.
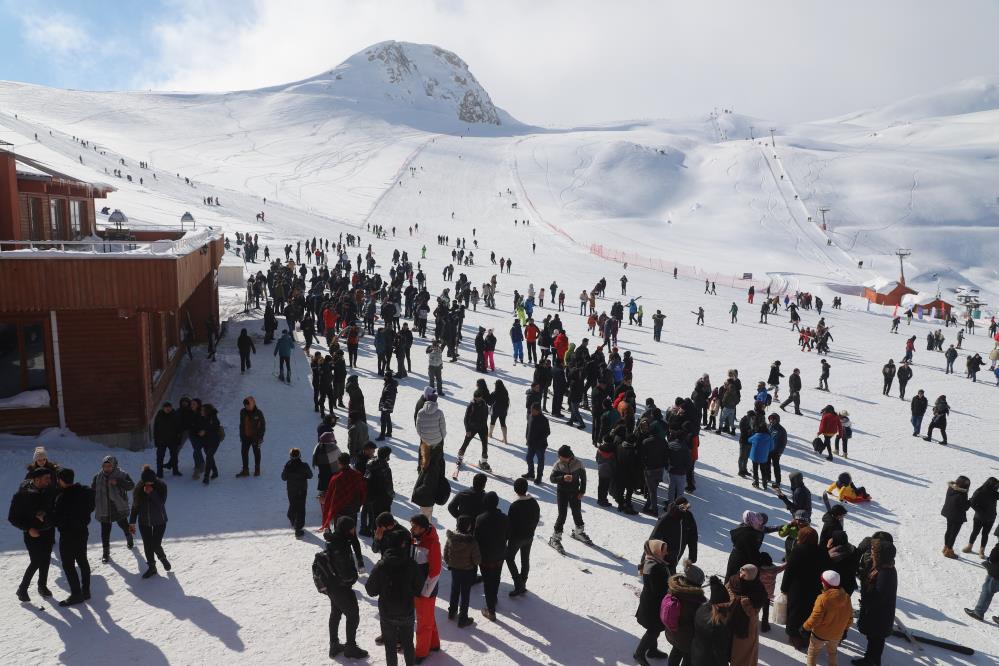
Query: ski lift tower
x=902, y=253
x=773, y=142
x=824, y=210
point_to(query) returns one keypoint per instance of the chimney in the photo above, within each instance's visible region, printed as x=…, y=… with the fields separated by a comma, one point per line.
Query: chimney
x=10, y=216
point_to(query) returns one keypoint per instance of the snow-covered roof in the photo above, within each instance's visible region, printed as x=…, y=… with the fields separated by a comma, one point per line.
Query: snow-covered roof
x=882, y=286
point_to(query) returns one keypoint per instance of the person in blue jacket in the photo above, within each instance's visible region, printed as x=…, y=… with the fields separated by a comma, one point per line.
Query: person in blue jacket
x=283, y=350
x=779, y=436
x=632, y=311
x=760, y=446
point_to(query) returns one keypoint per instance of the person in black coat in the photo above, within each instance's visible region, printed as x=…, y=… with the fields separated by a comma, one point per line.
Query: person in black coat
x=843, y=559
x=801, y=583
x=538, y=431
x=832, y=521
x=983, y=502
x=244, y=343
x=955, y=510
x=801, y=496
x=149, y=511
x=396, y=580
x=476, y=425
x=167, y=436
x=336, y=577
x=296, y=475
x=712, y=643
x=381, y=489
x=747, y=538
x=469, y=502
x=31, y=512
x=71, y=514
x=492, y=528
x=524, y=515
x=878, y=591
x=677, y=528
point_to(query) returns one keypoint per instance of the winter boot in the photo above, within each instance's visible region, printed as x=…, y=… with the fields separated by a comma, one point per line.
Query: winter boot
x=640, y=659
x=72, y=600
x=22, y=594
x=949, y=552
x=484, y=465
x=967, y=549
x=580, y=535
x=351, y=651
x=335, y=649
x=256, y=471
x=465, y=622
x=150, y=572
x=244, y=472
x=555, y=541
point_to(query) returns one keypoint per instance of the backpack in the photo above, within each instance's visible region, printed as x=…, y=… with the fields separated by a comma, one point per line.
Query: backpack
x=322, y=572
x=669, y=612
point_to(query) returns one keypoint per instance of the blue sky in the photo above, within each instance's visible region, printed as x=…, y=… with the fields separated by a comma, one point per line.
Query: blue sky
x=780, y=59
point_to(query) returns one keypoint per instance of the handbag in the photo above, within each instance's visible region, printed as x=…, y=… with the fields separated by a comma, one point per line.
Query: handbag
x=780, y=609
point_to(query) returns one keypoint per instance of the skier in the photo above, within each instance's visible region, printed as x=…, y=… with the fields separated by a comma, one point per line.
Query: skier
x=569, y=475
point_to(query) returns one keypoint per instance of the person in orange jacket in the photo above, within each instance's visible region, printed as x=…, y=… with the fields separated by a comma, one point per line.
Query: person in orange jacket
x=531, y=333
x=829, y=426
x=427, y=555
x=561, y=345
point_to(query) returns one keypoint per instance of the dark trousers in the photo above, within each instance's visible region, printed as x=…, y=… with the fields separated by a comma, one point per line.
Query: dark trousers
x=170, y=464
x=649, y=641
x=386, y=424
x=343, y=602
x=491, y=572
x=775, y=465
x=244, y=452
x=943, y=431
x=244, y=361
x=435, y=378
x=565, y=502
x=399, y=631
x=461, y=589
x=875, y=648
x=39, y=557
x=532, y=352
x=284, y=363
x=482, y=435
x=106, y=534
x=765, y=467
x=296, y=508
x=845, y=441
x=536, y=453
x=375, y=509
x=984, y=526
x=73, y=554
x=152, y=543
x=197, y=449
x=210, y=468
x=744, y=457
x=523, y=548
x=950, y=535
x=794, y=398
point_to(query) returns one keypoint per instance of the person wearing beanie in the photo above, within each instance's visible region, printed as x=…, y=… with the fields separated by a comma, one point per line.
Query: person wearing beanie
x=380, y=490
x=569, y=475
x=71, y=515
x=334, y=574
x=492, y=528
x=685, y=590
x=40, y=460
x=111, y=486
x=655, y=572
x=831, y=616
x=462, y=556
x=712, y=639
x=748, y=597
x=296, y=475
x=31, y=512
x=149, y=512
x=524, y=515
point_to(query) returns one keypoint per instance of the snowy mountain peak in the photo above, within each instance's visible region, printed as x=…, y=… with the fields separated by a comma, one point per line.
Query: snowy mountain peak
x=419, y=77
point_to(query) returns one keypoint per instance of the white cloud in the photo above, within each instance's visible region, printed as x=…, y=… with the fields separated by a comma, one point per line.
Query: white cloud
x=573, y=61
x=56, y=34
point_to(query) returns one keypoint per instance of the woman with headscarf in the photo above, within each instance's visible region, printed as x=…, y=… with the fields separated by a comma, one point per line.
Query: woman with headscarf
x=801, y=583
x=747, y=537
x=655, y=573
x=748, y=597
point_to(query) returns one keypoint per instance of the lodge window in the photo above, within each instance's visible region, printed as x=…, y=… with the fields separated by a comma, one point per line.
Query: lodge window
x=56, y=222
x=75, y=215
x=22, y=358
x=36, y=219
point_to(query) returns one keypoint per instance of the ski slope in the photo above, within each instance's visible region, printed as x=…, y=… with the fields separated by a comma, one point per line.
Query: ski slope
x=241, y=591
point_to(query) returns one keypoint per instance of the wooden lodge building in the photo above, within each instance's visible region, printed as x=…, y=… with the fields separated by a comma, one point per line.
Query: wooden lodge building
x=91, y=326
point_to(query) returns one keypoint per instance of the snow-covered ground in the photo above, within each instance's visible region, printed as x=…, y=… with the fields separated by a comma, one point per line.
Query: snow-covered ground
x=241, y=590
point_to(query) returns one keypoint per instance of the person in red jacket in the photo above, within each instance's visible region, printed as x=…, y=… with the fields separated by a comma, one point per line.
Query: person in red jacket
x=345, y=495
x=561, y=345
x=829, y=427
x=427, y=554
x=531, y=333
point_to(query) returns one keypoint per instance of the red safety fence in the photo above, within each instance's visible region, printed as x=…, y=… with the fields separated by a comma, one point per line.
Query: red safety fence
x=777, y=285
